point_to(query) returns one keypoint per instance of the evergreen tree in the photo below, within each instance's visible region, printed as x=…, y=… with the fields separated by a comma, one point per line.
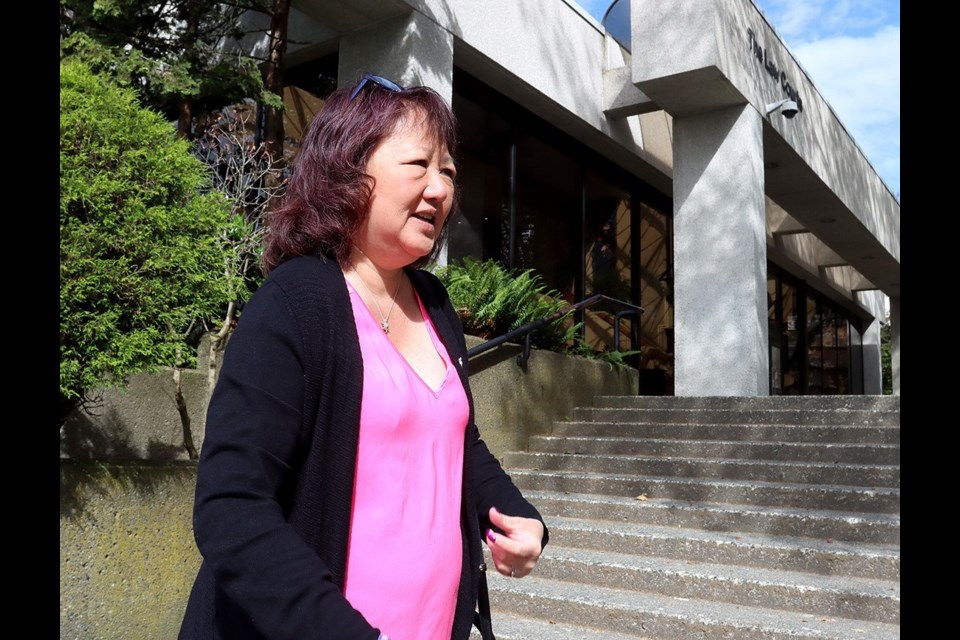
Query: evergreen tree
x=182, y=56
x=143, y=261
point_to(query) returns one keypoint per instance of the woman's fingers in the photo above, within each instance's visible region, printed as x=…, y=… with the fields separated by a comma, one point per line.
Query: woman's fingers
x=499, y=520
x=498, y=554
x=507, y=558
x=517, y=527
x=515, y=552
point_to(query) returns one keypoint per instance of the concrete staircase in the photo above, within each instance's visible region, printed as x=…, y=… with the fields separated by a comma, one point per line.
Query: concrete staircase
x=711, y=518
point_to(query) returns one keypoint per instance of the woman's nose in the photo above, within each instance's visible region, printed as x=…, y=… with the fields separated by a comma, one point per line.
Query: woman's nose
x=438, y=187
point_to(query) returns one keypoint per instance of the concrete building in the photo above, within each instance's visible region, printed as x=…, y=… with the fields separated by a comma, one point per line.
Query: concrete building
x=665, y=169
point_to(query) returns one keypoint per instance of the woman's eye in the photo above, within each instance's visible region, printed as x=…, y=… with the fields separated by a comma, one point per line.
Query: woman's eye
x=449, y=171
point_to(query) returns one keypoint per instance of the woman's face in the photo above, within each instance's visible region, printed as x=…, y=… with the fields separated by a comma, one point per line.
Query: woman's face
x=412, y=196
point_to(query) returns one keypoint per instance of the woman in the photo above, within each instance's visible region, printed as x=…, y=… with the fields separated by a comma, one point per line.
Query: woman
x=343, y=489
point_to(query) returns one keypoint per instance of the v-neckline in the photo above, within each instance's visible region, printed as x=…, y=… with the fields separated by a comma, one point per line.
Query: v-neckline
x=431, y=334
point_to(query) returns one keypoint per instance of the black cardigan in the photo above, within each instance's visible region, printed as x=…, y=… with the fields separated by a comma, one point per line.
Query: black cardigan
x=275, y=478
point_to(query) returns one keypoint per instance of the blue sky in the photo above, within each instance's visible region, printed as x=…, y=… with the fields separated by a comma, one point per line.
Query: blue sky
x=851, y=51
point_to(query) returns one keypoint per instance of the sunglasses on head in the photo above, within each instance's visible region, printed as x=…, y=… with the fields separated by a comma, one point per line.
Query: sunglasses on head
x=389, y=85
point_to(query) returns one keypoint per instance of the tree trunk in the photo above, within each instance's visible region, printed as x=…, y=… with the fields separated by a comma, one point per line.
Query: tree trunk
x=184, y=416
x=273, y=80
x=185, y=119
x=218, y=342
x=191, y=15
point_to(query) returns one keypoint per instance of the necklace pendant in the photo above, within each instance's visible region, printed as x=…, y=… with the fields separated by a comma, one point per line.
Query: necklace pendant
x=385, y=326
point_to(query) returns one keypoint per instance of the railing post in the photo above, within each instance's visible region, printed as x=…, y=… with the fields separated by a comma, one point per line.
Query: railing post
x=523, y=357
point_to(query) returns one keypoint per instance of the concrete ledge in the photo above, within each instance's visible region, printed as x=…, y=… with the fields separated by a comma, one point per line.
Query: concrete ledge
x=512, y=404
x=138, y=422
x=141, y=423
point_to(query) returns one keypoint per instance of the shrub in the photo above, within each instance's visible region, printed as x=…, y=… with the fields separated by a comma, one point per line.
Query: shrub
x=492, y=301
x=142, y=262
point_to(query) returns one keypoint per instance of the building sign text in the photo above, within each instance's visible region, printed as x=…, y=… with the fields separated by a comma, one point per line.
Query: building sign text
x=770, y=66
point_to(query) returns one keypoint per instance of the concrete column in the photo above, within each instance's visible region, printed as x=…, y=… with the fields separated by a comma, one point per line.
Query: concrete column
x=410, y=50
x=720, y=258
x=872, y=366
x=895, y=343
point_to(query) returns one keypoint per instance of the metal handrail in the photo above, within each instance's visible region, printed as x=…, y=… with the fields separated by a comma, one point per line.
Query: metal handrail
x=527, y=329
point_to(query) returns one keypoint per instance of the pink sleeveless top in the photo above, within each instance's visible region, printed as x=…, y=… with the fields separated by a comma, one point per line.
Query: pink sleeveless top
x=405, y=549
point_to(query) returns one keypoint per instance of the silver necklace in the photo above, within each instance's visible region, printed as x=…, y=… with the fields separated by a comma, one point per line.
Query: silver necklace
x=384, y=319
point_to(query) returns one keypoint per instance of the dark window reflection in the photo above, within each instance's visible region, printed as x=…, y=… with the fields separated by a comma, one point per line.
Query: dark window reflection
x=534, y=198
x=812, y=352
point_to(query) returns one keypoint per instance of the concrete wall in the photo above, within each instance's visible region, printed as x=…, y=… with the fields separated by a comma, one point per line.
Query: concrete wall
x=141, y=422
x=127, y=555
x=138, y=422
x=512, y=404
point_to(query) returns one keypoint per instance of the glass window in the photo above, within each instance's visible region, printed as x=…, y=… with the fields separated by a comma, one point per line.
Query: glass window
x=534, y=198
x=481, y=228
x=307, y=87
x=655, y=274
x=843, y=356
x=831, y=383
x=775, y=335
x=547, y=220
x=791, y=321
x=607, y=256
x=814, y=348
x=810, y=353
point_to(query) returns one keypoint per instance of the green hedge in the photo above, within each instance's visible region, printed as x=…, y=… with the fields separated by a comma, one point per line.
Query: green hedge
x=142, y=260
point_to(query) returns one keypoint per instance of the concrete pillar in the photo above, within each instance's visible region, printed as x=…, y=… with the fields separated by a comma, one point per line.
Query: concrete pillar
x=895, y=343
x=872, y=365
x=410, y=50
x=720, y=258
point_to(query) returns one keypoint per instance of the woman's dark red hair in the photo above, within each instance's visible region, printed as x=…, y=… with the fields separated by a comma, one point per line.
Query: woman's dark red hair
x=328, y=195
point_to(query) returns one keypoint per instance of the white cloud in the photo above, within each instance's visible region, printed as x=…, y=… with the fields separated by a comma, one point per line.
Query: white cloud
x=858, y=16
x=792, y=19
x=807, y=20
x=860, y=78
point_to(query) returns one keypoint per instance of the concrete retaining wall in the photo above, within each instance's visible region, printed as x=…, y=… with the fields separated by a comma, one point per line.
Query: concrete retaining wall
x=127, y=556
x=138, y=422
x=512, y=404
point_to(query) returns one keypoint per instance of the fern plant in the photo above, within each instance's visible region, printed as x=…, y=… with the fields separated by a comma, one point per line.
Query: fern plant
x=492, y=301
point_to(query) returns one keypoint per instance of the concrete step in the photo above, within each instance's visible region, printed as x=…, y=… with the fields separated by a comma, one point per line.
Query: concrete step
x=807, y=403
x=511, y=627
x=769, y=471
x=822, y=595
x=771, y=517
x=824, y=452
x=820, y=524
x=740, y=492
x=650, y=615
x=774, y=552
x=614, y=426
x=852, y=418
